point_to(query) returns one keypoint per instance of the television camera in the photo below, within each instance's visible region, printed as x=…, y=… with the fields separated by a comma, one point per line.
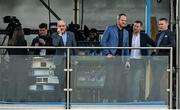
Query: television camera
x=13, y=23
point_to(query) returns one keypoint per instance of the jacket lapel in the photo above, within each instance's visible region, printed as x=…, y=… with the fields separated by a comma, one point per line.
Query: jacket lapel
x=115, y=30
x=60, y=41
x=160, y=38
x=141, y=40
x=68, y=40
x=130, y=39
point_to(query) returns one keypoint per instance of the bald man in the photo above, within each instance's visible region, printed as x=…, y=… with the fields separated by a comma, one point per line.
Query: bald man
x=62, y=38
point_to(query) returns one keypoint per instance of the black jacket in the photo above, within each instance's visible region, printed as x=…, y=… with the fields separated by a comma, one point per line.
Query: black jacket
x=48, y=42
x=145, y=40
x=18, y=51
x=168, y=40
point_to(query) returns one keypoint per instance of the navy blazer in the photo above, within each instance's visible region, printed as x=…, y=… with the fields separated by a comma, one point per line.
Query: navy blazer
x=111, y=39
x=145, y=41
x=168, y=40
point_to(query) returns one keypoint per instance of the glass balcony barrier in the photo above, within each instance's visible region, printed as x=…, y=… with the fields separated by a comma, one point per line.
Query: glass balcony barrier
x=71, y=76
x=32, y=76
x=98, y=79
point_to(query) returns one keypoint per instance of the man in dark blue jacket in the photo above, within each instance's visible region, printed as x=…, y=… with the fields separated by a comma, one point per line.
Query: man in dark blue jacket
x=165, y=38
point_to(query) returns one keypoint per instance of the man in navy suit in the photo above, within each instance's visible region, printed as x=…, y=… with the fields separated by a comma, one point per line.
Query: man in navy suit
x=138, y=62
x=62, y=38
x=165, y=38
x=116, y=36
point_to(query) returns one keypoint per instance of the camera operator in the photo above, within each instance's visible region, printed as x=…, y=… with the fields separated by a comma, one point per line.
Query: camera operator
x=17, y=40
x=17, y=67
x=42, y=40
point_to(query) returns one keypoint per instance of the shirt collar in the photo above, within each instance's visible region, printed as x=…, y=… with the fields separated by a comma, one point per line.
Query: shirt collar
x=62, y=34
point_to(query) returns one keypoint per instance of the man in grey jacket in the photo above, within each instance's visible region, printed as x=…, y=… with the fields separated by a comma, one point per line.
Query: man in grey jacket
x=62, y=38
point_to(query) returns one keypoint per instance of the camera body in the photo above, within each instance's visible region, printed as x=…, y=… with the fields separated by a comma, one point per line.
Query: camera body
x=12, y=20
x=13, y=24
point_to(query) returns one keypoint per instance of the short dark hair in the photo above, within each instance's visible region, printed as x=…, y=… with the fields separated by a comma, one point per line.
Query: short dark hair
x=93, y=30
x=140, y=22
x=122, y=14
x=163, y=19
x=43, y=25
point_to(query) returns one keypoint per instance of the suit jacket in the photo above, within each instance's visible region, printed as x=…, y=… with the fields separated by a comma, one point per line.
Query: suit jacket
x=145, y=40
x=111, y=39
x=168, y=40
x=60, y=53
x=58, y=41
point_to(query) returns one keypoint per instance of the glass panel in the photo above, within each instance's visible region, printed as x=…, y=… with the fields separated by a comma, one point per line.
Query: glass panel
x=159, y=79
x=33, y=78
x=99, y=79
x=94, y=79
x=87, y=78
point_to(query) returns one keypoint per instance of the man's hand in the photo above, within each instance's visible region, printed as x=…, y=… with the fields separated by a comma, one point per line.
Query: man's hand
x=109, y=56
x=154, y=51
x=42, y=41
x=127, y=65
x=36, y=44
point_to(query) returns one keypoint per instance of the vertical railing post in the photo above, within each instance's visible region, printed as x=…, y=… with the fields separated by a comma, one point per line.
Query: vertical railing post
x=177, y=54
x=171, y=79
x=68, y=80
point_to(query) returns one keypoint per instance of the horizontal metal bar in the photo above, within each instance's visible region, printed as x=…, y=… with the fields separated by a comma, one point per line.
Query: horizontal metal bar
x=50, y=47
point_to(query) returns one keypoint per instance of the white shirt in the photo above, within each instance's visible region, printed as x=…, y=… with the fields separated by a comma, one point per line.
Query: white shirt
x=136, y=53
